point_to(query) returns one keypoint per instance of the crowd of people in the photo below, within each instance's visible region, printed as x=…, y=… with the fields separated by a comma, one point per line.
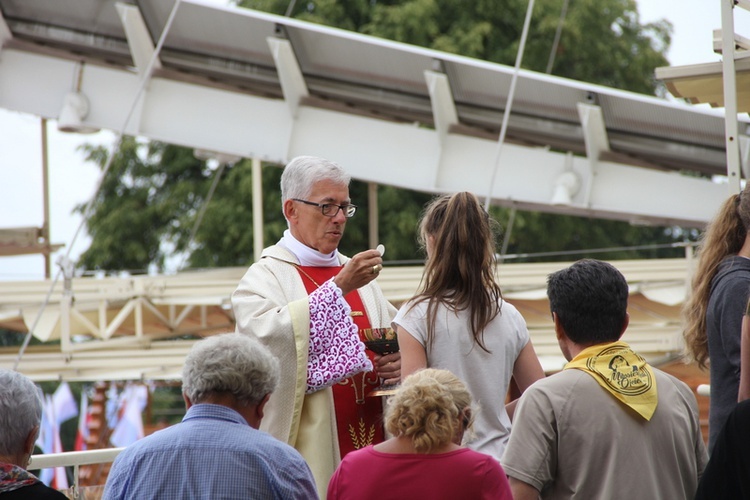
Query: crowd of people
x=280, y=407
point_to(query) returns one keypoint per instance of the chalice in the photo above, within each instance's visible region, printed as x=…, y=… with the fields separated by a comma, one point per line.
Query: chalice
x=381, y=341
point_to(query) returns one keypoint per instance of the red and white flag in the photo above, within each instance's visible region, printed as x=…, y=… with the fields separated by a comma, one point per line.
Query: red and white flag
x=58, y=408
x=60, y=479
x=129, y=428
x=46, y=438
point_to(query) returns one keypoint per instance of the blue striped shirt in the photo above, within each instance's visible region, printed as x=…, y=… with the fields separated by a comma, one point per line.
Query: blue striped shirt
x=212, y=454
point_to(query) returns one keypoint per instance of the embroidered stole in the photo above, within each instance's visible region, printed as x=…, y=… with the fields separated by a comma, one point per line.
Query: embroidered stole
x=358, y=418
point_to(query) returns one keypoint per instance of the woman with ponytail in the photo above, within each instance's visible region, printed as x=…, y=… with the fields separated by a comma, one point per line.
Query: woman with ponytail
x=713, y=313
x=459, y=321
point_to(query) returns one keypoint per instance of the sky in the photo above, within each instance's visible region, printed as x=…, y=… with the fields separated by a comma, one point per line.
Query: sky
x=73, y=180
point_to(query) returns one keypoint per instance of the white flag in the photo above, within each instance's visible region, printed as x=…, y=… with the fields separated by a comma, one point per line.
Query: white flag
x=65, y=404
x=129, y=428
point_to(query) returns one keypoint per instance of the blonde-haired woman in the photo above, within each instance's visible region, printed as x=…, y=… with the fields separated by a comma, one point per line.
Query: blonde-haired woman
x=713, y=313
x=427, y=417
x=459, y=321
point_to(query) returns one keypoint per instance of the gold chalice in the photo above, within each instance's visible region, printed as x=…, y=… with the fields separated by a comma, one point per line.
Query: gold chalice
x=381, y=341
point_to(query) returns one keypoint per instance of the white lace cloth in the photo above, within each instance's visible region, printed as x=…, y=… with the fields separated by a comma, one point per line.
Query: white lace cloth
x=335, y=351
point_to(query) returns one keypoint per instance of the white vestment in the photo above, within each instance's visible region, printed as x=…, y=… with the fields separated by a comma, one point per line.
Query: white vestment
x=271, y=303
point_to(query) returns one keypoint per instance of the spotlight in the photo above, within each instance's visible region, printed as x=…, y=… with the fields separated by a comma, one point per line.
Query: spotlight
x=75, y=109
x=566, y=187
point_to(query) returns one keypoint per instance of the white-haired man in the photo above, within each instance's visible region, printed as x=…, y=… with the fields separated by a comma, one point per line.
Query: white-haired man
x=307, y=303
x=217, y=451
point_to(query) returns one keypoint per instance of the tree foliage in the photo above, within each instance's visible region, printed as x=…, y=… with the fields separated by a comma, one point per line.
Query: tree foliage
x=148, y=192
x=150, y=199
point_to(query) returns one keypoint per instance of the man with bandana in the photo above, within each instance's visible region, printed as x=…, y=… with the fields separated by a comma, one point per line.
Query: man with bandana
x=608, y=425
x=308, y=304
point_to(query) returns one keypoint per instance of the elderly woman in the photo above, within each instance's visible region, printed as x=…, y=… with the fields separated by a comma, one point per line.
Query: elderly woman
x=427, y=417
x=20, y=414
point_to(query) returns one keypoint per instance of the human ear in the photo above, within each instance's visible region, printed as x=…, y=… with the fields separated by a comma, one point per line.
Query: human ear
x=559, y=330
x=30, y=440
x=290, y=211
x=261, y=406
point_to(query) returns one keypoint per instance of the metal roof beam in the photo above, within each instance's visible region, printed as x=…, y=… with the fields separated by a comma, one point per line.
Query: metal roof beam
x=596, y=141
x=441, y=98
x=594, y=130
x=5, y=33
x=445, y=116
x=372, y=149
x=290, y=75
x=142, y=48
x=46, y=37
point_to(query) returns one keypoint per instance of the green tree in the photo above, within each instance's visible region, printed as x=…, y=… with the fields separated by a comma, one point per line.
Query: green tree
x=14, y=339
x=602, y=42
x=132, y=207
x=570, y=238
x=149, y=202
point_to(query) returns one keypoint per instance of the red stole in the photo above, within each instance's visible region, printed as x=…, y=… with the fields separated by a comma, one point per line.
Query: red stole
x=358, y=418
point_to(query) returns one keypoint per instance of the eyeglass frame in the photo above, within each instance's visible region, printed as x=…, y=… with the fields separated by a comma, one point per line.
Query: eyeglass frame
x=324, y=207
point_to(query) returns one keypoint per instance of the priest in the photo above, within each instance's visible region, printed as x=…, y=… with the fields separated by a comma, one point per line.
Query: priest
x=308, y=304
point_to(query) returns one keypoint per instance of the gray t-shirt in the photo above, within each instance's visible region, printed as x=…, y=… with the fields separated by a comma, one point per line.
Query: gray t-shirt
x=572, y=439
x=487, y=375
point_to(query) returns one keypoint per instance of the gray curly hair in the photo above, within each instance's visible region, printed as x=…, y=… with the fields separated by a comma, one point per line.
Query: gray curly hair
x=231, y=363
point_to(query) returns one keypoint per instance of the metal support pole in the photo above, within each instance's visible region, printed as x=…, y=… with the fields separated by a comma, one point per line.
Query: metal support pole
x=45, y=197
x=257, y=209
x=509, y=104
x=66, y=303
x=730, y=97
x=372, y=213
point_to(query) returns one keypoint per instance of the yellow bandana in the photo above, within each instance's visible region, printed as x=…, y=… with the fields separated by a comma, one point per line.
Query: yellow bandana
x=622, y=372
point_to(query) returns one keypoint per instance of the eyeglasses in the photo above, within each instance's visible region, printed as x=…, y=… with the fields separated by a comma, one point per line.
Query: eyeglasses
x=331, y=209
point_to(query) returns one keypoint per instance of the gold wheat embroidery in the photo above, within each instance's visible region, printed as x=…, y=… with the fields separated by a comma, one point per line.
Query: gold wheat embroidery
x=363, y=437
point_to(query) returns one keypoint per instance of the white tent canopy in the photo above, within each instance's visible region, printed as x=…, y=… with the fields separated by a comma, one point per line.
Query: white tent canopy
x=125, y=328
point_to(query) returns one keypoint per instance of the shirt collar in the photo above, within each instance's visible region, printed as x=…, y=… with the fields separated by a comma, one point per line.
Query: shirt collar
x=308, y=256
x=219, y=412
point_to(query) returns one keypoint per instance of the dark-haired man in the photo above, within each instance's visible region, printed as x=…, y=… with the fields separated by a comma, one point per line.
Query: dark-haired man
x=609, y=425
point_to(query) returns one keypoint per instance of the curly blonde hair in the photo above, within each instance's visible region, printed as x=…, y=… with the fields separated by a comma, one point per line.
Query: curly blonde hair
x=427, y=409
x=724, y=236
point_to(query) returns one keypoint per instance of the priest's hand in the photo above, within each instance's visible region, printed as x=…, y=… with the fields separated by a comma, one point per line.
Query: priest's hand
x=388, y=368
x=359, y=271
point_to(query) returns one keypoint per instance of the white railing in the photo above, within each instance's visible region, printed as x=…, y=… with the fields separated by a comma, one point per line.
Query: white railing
x=74, y=459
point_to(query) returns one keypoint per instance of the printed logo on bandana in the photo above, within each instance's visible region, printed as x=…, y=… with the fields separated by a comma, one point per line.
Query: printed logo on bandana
x=620, y=374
